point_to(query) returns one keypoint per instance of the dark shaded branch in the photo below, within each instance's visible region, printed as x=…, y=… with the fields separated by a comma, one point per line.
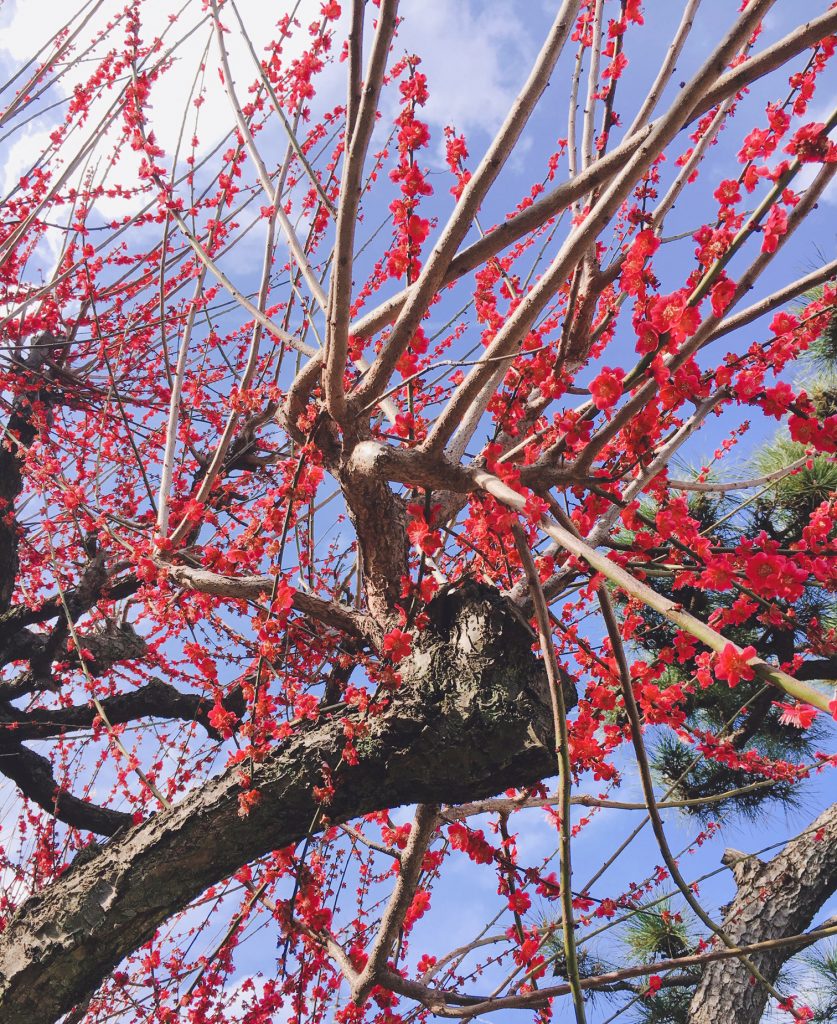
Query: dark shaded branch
x=154, y=700
x=33, y=402
x=822, y=668
x=103, y=647
x=33, y=775
x=78, y=600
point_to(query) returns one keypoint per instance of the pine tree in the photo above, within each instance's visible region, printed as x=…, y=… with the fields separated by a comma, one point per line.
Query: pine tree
x=748, y=716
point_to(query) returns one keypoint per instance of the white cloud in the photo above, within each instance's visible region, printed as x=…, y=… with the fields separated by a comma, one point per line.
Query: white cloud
x=29, y=25
x=18, y=158
x=476, y=57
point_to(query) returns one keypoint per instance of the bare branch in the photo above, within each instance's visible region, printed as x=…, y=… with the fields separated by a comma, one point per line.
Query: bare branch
x=667, y=67
x=256, y=588
x=560, y=198
x=642, y=592
x=433, y=274
x=356, y=145
x=452, y=1004
x=511, y=335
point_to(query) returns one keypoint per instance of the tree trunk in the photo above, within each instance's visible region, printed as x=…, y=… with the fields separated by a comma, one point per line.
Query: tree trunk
x=774, y=899
x=471, y=718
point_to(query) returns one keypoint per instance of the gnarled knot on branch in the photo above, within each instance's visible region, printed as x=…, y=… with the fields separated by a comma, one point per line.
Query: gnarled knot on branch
x=474, y=663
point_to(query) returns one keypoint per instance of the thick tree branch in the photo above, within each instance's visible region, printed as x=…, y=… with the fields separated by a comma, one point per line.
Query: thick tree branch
x=154, y=700
x=472, y=717
x=255, y=588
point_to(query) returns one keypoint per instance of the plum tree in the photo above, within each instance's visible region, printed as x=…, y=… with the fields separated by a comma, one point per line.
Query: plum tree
x=345, y=570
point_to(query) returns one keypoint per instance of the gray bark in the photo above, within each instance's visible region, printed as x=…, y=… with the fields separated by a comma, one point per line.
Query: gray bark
x=471, y=718
x=774, y=899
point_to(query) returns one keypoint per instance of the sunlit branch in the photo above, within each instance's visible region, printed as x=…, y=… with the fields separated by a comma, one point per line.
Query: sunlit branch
x=225, y=440
x=562, y=740
x=296, y=249
x=290, y=129
x=724, y=486
x=643, y=593
x=459, y=223
x=256, y=588
x=167, y=474
x=509, y=805
x=551, y=204
x=706, y=332
x=355, y=148
x=773, y=301
x=589, y=131
x=647, y=783
x=510, y=337
x=421, y=834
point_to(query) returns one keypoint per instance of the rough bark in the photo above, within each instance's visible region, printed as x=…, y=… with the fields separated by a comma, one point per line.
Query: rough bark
x=472, y=717
x=380, y=522
x=20, y=430
x=774, y=899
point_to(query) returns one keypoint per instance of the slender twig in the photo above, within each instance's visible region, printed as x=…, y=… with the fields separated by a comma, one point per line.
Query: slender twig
x=511, y=335
x=297, y=251
x=666, y=68
x=562, y=739
x=446, y=1003
x=723, y=486
x=589, y=132
x=647, y=783
x=432, y=276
